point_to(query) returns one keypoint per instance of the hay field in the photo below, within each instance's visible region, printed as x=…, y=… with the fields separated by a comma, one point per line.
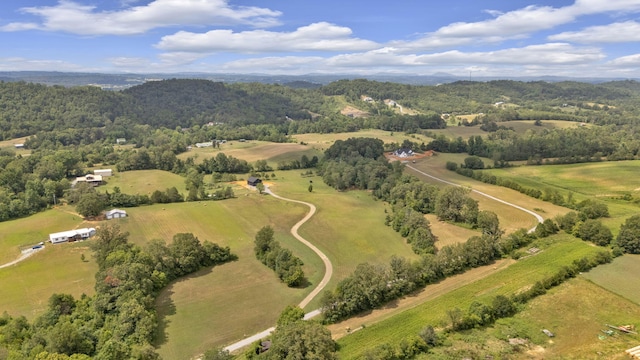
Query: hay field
x=251, y=150
x=449, y=234
x=323, y=141
x=143, y=181
x=615, y=277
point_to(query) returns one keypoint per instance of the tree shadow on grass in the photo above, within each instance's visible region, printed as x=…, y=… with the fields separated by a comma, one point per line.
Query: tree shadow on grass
x=165, y=306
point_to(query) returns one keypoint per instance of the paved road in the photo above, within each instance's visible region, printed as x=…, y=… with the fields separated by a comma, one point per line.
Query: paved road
x=537, y=216
x=323, y=283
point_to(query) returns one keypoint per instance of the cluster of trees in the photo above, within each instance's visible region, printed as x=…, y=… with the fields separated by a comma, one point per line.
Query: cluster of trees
x=287, y=266
x=303, y=163
x=119, y=321
x=222, y=163
x=373, y=285
x=295, y=338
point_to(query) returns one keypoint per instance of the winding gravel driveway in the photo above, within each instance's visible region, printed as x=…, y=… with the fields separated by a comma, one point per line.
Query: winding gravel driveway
x=536, y=215
x=323, y=283
x=329, y=267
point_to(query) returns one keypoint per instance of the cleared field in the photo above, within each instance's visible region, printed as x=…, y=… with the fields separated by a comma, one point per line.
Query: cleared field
x=615, y=277
x=27, y=286
x=558, y=251
x=576, y=312
x=25, y=232
x=323, y=141
x=521, y=126
x=599, y=181
x=449, y=234
x=250, y=151
x=143, y=181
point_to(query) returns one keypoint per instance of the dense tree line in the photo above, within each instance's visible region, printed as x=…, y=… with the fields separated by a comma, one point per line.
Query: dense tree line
x=287, y=266
x=119, y=321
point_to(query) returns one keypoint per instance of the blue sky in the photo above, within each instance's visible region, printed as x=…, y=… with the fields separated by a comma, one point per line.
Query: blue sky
x=580, y=38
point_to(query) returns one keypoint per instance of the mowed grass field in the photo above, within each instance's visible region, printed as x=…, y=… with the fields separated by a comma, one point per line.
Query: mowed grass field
x=251, y=151
x=28, y=285
x=323, y=141
x=143, y=182
x=616, y=278
x=602, y=181
x=558, y=251
x=18, y=234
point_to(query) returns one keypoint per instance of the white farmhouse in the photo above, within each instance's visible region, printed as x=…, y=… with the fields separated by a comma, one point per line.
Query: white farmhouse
x=71, y=235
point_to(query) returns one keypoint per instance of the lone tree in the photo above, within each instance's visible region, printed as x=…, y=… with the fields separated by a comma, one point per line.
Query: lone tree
x=260, y=187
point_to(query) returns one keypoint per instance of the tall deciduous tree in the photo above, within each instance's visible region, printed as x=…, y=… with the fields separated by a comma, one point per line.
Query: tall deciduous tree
x=629, y=235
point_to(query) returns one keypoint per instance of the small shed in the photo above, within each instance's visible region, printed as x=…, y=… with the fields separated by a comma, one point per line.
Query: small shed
x=103, y=172
x=18, y=146
x=253, y=181
x=121, y=141
x=115, y=214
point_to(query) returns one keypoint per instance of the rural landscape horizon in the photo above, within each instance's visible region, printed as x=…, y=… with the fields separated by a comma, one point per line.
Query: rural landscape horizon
x=242, y=179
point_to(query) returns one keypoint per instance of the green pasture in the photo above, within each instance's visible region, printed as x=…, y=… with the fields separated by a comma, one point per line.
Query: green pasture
x=557, y=251
x=251, y=151
x=619, y=277
x=143, y=182
x=18, y=234
x=28, y=285
x=601, y=181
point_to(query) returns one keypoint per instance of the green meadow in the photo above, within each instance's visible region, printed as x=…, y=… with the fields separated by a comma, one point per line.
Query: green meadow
x=615, y=277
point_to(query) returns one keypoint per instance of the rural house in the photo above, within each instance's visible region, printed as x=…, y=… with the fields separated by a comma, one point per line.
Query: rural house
x=403, y=152
x=71, y=235
x=94, y=180
x=253, y=181
x=115, y=214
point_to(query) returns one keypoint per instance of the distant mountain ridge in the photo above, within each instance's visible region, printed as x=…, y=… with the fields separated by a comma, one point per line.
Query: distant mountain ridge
x=115, y=81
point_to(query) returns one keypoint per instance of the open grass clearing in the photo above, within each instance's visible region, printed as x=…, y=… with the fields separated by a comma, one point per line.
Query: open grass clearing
x=576, y=312
x=557, y=251
x=323, y=141
x=143, y=182
x=348, y=226
x=616, y=278
x=28, y=285
x=521, y=126
x=447, y=233
x=599, y=181
x=250, y=151
x=18, y=234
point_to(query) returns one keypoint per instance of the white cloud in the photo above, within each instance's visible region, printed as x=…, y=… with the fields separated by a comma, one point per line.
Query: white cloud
x=626, y=61
x=628, y=31
x=315, y=37
x=72, y=17
x=23, y=64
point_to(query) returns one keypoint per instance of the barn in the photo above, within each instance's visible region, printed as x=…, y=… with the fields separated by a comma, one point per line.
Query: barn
x=115, y=214
x=253, y=181
x=103, y=172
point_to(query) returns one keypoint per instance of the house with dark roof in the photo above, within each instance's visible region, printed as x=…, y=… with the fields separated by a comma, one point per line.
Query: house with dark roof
x=403, y=152
x=253, y=181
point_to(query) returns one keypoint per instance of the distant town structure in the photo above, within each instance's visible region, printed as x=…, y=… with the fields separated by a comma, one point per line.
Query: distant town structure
x=121, y=141
x=94, y=180
x=115, y=214
x=103, y=172
x=71, y=235
x=253, y=181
